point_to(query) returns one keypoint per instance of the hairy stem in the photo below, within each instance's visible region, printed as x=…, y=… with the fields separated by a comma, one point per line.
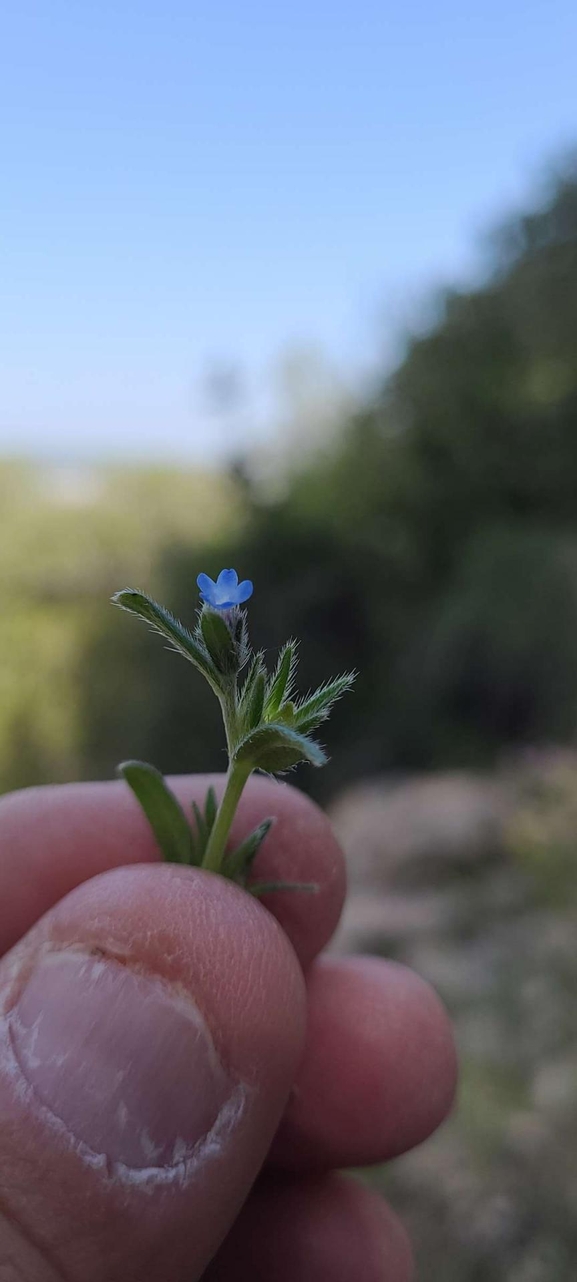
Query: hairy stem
x=228, y=699
x=236, y=779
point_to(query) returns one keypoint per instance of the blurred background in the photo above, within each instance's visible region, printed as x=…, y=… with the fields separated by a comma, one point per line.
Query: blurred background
x=295, y=289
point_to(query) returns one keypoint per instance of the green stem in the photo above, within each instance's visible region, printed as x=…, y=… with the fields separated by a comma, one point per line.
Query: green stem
x=228, y=701
x=237, y=777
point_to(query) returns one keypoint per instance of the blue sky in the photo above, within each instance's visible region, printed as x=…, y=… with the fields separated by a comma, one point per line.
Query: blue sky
x=185, y=183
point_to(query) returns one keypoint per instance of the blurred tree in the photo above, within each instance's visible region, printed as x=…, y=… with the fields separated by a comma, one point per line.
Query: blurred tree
x=68, y=538
x=496, y=661
x=432, y=546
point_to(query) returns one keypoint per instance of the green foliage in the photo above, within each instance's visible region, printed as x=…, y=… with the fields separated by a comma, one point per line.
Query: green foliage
x=189, y=645
x=282, y=680
x=218, y=640
x=210, y=809
x=255, y=705
x=162, y=810
x=251, y=699
x=238, y=863
x=68, y=687
x=433, y=549
x=373, y=556
x=220, y=648
x=277, y=748
x=311, y=712
x=204, y=821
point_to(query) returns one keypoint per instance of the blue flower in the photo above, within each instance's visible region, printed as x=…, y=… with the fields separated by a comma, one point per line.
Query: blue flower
x=226, y=592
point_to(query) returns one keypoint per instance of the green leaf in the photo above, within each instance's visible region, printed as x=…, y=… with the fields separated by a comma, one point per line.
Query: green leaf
x=256, y=669
x=241, y=639
x=286, y=714
x=201, y=829
x=162, y=621
x=163, y=811
x=317, y=707
x=210, y=808
x=238, y=862
x=259, y=888
x=276, y=748
x=218, y=640
x=256, y=703
x=282, y=680
x=204, y=822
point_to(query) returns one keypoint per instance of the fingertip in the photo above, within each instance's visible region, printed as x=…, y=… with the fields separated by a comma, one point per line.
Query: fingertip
x=150, y=1028
x=333, y=1228
x=54, y=838
x=303, y=848
x=379, y=1069
x=420, y=1026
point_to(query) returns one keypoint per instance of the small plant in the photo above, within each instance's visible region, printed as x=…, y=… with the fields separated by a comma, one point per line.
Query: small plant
x=267, y=727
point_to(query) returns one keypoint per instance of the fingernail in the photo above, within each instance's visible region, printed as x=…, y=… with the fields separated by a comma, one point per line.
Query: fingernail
x=122, y=1060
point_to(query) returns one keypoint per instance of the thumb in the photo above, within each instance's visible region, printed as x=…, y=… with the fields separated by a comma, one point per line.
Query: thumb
x=150, y=1028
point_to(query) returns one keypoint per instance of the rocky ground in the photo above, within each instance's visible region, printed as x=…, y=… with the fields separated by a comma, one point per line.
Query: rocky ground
x=472, y=880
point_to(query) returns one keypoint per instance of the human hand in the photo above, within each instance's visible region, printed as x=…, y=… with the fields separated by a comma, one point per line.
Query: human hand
x=152, y=1025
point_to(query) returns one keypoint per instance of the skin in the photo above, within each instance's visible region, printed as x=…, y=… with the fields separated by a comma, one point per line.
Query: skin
x=349, y=1060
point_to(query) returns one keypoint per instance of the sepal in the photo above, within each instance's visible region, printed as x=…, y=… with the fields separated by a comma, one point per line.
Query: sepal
x=219, y=641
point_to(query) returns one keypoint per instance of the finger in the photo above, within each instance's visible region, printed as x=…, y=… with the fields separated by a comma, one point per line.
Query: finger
x=52, y=839
x=150, y=1027
x=379, y=1069
x=332, y=1229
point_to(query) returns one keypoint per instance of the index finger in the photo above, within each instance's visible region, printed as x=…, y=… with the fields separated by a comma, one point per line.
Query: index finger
x=54, y=838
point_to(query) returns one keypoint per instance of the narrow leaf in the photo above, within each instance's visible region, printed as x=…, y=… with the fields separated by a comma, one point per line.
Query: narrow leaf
x=286, y=715
x=256, y=704
x=317, y=707
x=201, y=829
x=282, y=680
x=162, y=810
x=161, y=620
x=256, y=669
x=239, y=861
x=276, y=748
x=210, y=809
x=241, y=638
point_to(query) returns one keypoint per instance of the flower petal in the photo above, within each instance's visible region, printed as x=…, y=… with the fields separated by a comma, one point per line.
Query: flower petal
x=243, y=591
x=226, y=582
x=206, y=584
